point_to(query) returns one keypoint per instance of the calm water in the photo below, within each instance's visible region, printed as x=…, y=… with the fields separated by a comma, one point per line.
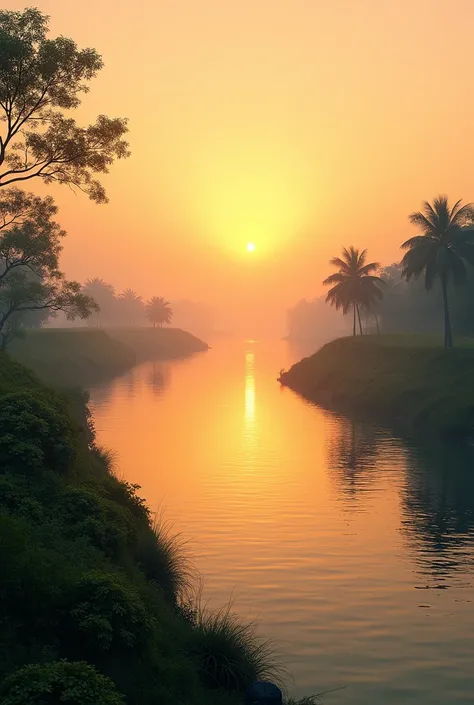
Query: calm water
x=355, y=551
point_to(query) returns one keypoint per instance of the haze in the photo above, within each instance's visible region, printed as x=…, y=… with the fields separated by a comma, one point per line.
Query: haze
x=298, y=126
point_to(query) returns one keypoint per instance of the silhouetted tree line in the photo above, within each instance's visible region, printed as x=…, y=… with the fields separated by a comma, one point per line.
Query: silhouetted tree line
x=126, y=308
x=395, y=299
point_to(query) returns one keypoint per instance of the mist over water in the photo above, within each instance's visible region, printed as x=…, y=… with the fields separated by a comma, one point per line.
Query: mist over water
x=354, y=549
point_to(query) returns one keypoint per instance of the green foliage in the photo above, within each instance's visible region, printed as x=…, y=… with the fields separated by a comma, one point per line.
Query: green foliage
x=85, y=513
x=30, y=279
x=15, y=498
x=39, y=79
x=33, y=433
x=74, y=683
x=228, y=653
x=107, y=614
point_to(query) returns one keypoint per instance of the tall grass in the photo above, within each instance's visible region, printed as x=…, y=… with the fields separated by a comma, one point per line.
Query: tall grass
x=163, y=558
x=229, y=654
x=106, y=456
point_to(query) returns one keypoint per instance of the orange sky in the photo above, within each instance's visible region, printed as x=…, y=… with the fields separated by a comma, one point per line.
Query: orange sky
x=300, y=125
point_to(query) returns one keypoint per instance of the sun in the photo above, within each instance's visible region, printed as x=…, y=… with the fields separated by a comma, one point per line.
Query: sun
x=250, y=247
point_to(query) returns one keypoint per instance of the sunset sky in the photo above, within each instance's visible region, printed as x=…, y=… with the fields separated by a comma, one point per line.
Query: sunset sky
x=298, y=125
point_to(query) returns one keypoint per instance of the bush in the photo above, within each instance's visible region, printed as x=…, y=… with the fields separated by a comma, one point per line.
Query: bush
x=85, y=513
x=33, y=433
x=229, y=654
x=72, y=683
x=107, y=614
x=125, y=495
x=15, y=499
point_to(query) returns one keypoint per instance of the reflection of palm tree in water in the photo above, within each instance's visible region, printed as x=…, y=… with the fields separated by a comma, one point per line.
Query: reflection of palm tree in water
x=437, y=497
x=438, y=504
x=352, y=454
x=158, y=378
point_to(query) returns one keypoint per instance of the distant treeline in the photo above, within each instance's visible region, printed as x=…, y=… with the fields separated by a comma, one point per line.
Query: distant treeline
x=406, y=307
x=128, y=308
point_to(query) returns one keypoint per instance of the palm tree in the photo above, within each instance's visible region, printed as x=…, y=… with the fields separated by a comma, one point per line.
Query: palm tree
x=104, y=296
x=446, y=243
x=354, y=283
x=158, y=310
x=132, y=304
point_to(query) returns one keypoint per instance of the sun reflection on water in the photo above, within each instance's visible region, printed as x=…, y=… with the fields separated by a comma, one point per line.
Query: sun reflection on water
x=249, y=389
x=250, y=424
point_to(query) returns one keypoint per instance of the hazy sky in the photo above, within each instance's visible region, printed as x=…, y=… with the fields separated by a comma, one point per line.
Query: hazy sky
x=299, y=125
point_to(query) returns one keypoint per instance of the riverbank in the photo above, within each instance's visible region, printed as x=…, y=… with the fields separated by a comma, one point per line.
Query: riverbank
x=410, y=381
x=117, y=619
x=70, y=357
x=158, y=343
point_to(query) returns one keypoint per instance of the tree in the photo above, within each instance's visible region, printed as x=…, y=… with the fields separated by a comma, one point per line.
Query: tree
x=30, y=278
x=40, y=78
x=104, y=296
x=158, y=310
x=354, y=283
x=441, y=251
x=132, y=305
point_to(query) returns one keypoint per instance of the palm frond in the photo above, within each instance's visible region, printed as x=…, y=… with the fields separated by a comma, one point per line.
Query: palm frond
x=368, y=268
x=337, y=277
x=414, y=263
x=429, y=213
x=422, y=222
x=417, y=240
x=463, y=216
x=338, y=262
x=360, y=257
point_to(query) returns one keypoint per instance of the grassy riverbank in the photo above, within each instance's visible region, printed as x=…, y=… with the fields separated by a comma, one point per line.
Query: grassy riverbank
x=69, y=357
x=158, y=343
x=408, y=380
x=93, y=593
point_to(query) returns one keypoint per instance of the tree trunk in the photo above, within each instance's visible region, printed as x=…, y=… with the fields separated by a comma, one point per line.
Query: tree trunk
x=360, y=322
x=354, y=321
x=448, y=338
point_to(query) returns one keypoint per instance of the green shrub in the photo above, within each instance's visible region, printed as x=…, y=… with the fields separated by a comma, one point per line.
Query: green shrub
x=106, y=614
x=229, y=654
x=33, y=433
x=85, y=513
x=16, y=500
x=125, y=495
x=72, y=683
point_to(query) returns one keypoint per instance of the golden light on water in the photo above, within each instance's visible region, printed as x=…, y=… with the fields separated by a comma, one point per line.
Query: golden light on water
x=249, y=389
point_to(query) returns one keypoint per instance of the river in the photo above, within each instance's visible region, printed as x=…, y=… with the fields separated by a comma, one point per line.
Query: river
x=353, y=549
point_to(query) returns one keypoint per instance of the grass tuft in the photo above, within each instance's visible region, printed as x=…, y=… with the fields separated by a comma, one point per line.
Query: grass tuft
x=229, y=653
x=106, y=456
x=163, y=558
